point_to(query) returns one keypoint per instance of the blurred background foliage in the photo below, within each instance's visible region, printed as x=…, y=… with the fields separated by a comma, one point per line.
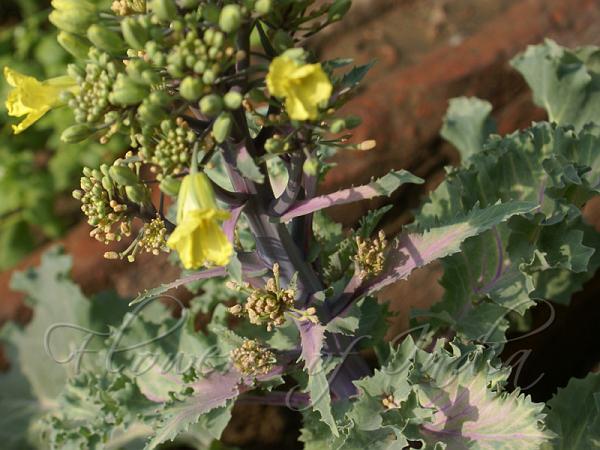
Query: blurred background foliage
x=37, y=170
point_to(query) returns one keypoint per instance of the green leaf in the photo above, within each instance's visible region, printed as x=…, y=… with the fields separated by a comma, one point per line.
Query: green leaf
x=312, y=337
x=210, y=403
x=411, y=251
x=566, y=83
x=548, y=255
x=468, y=124
x=574, y=414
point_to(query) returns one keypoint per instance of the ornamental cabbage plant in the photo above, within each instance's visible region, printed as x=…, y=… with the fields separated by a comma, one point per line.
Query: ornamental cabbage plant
x=232, y=122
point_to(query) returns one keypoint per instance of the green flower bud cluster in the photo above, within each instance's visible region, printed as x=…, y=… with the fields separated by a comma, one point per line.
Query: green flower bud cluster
x=95, y=85
x=206, y=56
x=103, y=210
x=252, y=358
x=170, y=151
x=370, y=256
x=269, y=305
x=127, y=7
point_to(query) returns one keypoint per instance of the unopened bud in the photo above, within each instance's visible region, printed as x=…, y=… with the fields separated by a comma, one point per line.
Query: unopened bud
x=75, y=45
x=230, y=18
x=222, y=127
x=126, y=92
x=134, y=33
x=170, y=186
x=137, y=193
x=123, y=175
x=76, y=133
x=211, y=105
x=262, y=7
x=165, y=10
x=72, y=21
x=105, y=39
x=232, y=100
x=191, y=88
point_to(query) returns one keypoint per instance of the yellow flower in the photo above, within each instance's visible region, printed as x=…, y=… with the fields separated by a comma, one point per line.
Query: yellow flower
x=32, y=97
x=198, y=237
x=304, y=86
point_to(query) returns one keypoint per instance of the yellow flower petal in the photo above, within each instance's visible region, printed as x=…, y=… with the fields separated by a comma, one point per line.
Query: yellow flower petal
x=198, y=237
x=33, y=98
x=304, y=87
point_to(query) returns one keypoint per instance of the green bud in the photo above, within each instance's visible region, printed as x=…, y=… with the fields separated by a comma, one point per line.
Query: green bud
x=71, y=21
x=170, y=186
x=151, y=114
x=191, y=88
x=137, y=193
x=165, y=10
x=73, y=5
x=151, y=77
x=222, y=127
x=233, y=100
x=159, y=98
x=338, y=9
x=75, y=45
x=123, y=175
x=105, y=39
x=262, y=7
x=135, y=68
x=211, y=105
x=107, y=184
x=135, y=34
x=209, y=77
x=126, y=92
x=230, y=18
x=337, y=126
x=76, y=133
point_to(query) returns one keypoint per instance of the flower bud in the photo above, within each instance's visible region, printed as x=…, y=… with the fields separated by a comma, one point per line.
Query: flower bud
x=230, y=18
x=71, y=21
x=126, y=92
x=232, y=100
x=135, y=34
x=338, y=9
x=75, y=45
x=165, y=10
x=170, y=186
x=211, y=105
x=137, y=193
x=76, y=133
x=105, y=39
x=191, y=88
x=73, y=5
x=151, y=114
x=337, y=126
x=262, y=7
x=222, y=127
x=123, y=175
